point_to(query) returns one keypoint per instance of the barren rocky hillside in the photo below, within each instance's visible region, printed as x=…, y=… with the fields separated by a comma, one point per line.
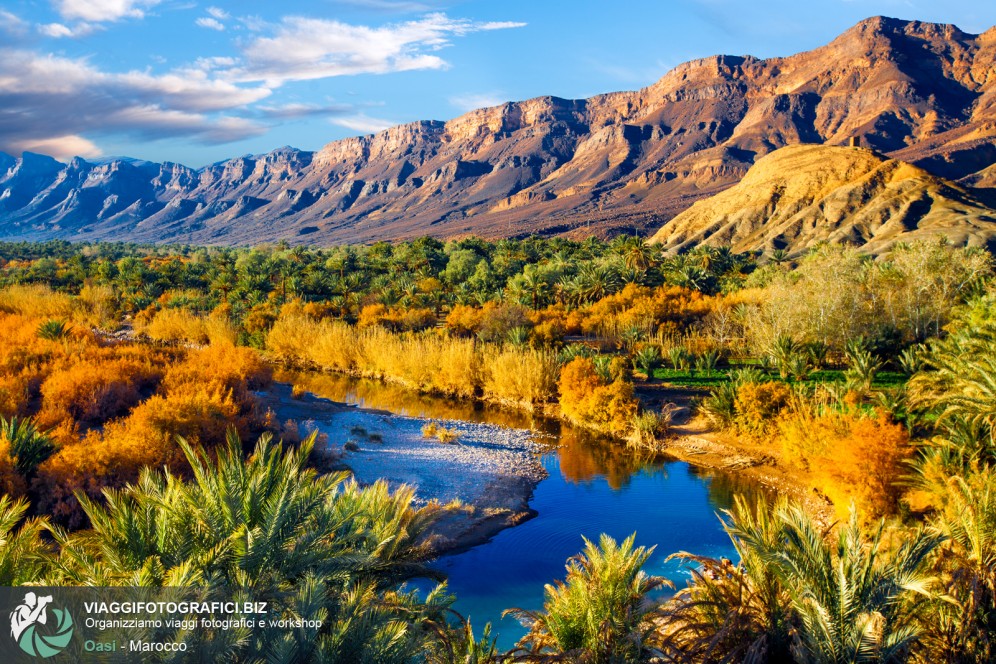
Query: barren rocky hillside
x=921, y=92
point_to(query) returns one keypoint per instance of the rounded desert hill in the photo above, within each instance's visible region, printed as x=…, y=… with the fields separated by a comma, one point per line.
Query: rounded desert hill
x=802, y=195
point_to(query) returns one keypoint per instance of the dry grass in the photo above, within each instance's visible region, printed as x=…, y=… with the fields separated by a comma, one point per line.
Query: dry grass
x=180, y=325
x=522, y=376
x=36, y=301
x=440, y=433
x=426, y=361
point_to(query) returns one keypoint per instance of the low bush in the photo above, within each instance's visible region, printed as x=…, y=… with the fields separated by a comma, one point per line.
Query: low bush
x=757, y=405
x=94, y=391
x=849, y=456
x=589, y=400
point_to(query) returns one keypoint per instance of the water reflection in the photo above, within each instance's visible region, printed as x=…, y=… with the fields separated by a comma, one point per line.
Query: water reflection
x=583, y=455
x=595, y=486
x=724, y=486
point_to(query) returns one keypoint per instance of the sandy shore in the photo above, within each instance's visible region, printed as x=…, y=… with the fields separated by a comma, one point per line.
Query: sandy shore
x=491, y=470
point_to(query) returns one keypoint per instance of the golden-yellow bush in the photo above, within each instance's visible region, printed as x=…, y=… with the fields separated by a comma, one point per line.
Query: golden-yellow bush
x=403, y=319
x=233, y=368
x=867, y=466
x=589, y=401
x=850, y=457
x=97, y=306
x=147, y=437
x=642, y=308
x=759, y=404
x=426, y=361
x=35, y=300
x=179, y=325
x=325, y=344
x=174, y=325
x=465, y=320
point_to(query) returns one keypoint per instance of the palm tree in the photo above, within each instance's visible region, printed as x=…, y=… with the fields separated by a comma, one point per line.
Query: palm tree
x=535, y=286
x=961, y=380
x=29, y=448
x=637, y=254
x=736, y=612
x=779, y=256
x=962, y=627
x=601, y=612
x=854, y=603
x=24, y=555
x=795, y=594
x=271, y=527
x=597, y=281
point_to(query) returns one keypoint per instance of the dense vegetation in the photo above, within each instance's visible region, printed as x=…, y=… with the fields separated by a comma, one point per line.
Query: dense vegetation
x=120, y=359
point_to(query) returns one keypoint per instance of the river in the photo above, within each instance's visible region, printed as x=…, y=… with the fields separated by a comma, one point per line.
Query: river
x=594, y=486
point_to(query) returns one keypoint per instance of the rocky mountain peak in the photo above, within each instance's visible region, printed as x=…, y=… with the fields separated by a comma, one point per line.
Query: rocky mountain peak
x=920, y=92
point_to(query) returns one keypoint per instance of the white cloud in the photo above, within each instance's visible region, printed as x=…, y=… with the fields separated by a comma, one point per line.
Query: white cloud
x=55, y=30
x=58, y=30
x=103, y=10
x=473, y=101
x=60, y=147
x=44, y=94
x=210, y=23
x=302, y=48
x=363, y=123
x=61, y=104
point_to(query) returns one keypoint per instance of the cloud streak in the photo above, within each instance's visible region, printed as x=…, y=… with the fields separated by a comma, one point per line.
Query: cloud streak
x=211, y=23
x=363, y=123
x=473, y=101
x=302, y=48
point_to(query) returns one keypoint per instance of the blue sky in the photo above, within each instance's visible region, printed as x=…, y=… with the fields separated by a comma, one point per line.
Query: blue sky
x=197, y=82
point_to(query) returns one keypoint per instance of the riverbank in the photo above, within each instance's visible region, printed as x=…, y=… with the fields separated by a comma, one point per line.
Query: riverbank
x=694, y=440
x=486, y=474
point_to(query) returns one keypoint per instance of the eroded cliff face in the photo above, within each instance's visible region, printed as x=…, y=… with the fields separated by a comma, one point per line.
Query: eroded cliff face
x=922, y=92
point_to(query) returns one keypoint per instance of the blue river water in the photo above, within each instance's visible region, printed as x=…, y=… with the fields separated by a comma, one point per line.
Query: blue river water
x=667, y=505
x=593, y=487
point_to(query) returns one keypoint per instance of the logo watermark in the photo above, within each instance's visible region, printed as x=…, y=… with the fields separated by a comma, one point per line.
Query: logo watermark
x=34, y=631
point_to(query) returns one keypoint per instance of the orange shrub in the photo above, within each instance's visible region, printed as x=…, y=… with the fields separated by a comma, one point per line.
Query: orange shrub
x=11, y=483
x=233, y=368
x=549, y=332
x=94, y=391
x=397, y=320
x=259, y=319
x=147, y=437
x=16, y=390
x=646, y=309
x=867, y=465
x=758, y=404
x=550, y=325
x=851, y=457
x=465, y=320
x=589, y=401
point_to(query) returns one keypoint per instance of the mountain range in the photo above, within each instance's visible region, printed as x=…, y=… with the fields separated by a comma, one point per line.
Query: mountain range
x=920, y=97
